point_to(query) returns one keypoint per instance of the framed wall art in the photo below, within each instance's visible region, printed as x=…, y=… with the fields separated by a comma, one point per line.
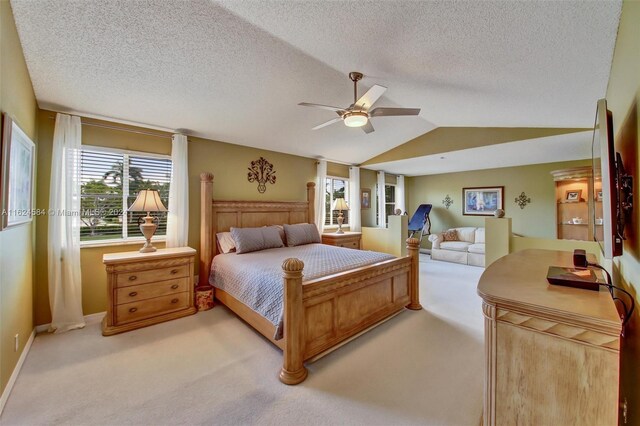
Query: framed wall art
x=365, y=198
x=16, y=174
x=573, y=195
x=482, y=201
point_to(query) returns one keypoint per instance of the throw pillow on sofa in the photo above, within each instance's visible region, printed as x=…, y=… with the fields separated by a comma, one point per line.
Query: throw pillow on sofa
x=450, y=235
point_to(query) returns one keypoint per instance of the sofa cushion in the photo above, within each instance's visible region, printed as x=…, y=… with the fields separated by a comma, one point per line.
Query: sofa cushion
x=454, y=245
x=479, y=235
x=466, y=234
x=450, y=235
x=476, y=248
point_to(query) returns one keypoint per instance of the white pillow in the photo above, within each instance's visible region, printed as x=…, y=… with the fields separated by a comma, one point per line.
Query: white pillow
x=226, y=242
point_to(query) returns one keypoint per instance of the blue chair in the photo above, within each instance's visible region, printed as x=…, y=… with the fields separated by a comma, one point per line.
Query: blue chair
x=420, y=221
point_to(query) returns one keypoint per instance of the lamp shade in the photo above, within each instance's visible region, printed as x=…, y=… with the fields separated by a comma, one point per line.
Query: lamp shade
x=340, y=204
x=148, y=200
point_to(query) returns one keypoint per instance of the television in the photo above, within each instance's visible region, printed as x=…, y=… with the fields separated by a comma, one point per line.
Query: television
x=611, y=186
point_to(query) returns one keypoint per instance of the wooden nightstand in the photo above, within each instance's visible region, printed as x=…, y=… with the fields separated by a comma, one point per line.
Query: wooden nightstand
x=148, y=288
x=348, y=239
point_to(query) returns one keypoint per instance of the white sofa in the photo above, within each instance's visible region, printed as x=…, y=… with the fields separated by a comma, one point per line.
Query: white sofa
x=468, y=248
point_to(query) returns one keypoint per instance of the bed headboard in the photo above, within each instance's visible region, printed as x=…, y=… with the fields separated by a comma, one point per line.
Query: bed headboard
x=219, y=216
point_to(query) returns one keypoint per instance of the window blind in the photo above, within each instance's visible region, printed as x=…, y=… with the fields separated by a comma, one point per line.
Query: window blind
x=110, y=183
x=335, y=188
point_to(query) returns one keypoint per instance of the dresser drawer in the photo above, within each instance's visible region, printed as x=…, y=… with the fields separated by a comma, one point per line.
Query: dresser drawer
x=135, y=311
x=149, y=291
x=126, y=279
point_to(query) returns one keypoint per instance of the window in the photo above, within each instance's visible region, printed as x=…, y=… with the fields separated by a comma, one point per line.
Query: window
x=335, y=188
x=110, y=182
x=389, y=203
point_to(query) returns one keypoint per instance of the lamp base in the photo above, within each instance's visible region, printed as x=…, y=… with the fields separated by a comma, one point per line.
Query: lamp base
x=148, y=248
x=340, y=221
x=148, y=228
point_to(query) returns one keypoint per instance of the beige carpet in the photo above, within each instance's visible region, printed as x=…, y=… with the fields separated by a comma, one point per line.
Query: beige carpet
x=420, y=367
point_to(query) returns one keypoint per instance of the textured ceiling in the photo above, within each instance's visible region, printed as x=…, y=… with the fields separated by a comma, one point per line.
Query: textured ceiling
x=235, y=70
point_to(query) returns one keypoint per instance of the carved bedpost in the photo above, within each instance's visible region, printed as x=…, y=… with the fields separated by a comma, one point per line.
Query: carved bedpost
x=413, y=246
x=311, y=198
x=293, y=370
x=206, y=241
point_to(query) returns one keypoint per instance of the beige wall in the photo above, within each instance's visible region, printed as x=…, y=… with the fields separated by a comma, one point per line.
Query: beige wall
x=16, y=244
x=368, y=179
x=623, y=97
x=537, y=219
x=227, y=162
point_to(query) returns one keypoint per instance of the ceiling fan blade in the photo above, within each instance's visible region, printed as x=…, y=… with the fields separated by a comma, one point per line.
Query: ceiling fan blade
x=320, y=126
x=371, y=96
x=381, y=112
x=368, y=128
x=327, y=107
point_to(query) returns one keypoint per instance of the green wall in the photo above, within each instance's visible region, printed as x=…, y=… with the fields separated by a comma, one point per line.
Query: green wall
x=623, y=97
x=16, y=244
x=537, y=219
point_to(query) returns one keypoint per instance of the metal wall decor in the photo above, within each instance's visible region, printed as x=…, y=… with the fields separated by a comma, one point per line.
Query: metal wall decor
x=261, y=171
x=522, y=200
x=447, y=201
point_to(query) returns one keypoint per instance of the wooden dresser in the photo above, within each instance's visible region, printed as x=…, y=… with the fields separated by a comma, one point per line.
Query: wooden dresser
x=148, y=288
x=348, y=239
x=552, y=352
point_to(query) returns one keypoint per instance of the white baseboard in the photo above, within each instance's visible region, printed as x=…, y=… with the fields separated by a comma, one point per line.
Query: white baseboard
x=45, y=327
x=16, y=371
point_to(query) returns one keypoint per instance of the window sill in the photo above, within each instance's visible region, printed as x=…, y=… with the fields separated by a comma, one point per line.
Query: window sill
x=345, y=227
x=120, y=242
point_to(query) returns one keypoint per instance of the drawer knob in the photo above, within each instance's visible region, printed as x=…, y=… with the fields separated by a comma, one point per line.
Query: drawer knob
x=133, y=294
x=133, y=278
x=174, y=271
x=175, y=286
x=132, y=310
x=175, y=300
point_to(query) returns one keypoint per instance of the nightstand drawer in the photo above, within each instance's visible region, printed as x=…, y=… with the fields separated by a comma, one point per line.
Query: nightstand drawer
x=126, y=279
x=349, y=244
x=349, y=240
x=149, y=291
x=130, y=312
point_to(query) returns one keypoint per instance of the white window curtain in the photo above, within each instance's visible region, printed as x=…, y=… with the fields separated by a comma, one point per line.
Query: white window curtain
x=178, y=216
x=400, y=203
x=321, y=188
x=65, y=282
x=354, y=199
x=382, y=215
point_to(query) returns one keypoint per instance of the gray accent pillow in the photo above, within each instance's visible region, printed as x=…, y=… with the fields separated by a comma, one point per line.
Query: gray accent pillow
x=255, y=239
x=301, y=233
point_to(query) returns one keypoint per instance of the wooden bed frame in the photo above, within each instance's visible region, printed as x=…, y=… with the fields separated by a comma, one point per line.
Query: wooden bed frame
x=319, y=315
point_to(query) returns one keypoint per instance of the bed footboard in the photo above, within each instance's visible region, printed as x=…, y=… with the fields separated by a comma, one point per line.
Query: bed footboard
x=324, y=313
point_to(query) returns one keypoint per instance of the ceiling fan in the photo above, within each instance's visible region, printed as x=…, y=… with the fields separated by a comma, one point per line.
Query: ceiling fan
x=359, y=112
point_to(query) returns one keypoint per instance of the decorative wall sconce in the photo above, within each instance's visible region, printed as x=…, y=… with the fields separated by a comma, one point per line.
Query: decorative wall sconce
x=261, y=171
x=447, y=202
x=522, y=200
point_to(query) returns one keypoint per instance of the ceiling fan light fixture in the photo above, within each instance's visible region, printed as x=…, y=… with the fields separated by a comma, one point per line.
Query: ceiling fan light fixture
x=355, y=119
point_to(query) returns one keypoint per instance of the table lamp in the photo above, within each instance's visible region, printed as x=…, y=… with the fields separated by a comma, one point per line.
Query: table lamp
x=340, y=204
x=148, y=200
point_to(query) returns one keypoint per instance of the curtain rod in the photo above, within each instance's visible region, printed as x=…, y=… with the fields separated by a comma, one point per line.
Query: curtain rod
x=123, y=129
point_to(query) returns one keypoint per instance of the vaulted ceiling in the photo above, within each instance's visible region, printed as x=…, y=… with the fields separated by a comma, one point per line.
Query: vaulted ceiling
x=235, y=70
